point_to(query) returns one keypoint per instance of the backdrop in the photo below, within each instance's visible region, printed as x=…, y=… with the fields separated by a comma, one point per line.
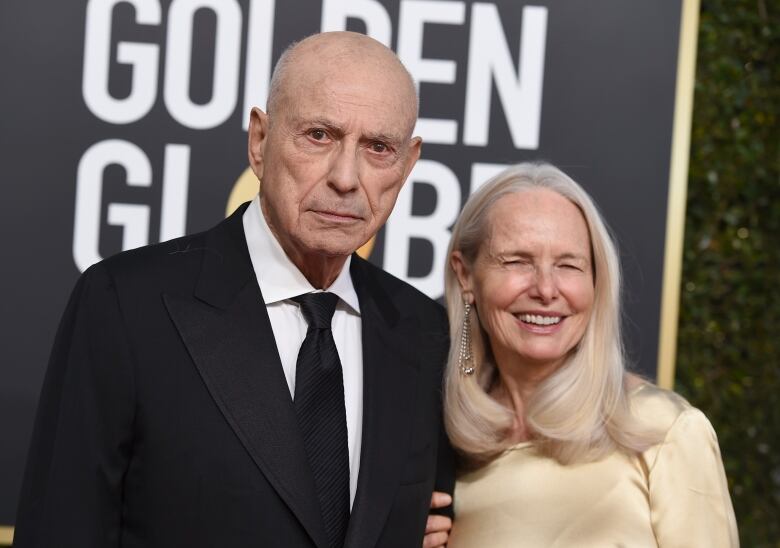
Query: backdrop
x=123, y=123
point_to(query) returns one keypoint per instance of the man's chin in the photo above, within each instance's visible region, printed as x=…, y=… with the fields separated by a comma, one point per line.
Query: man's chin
x=334, y=243
x=334, y=252
x=333, y=248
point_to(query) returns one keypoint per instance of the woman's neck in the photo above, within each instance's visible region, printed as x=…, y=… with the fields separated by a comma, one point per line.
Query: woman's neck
x=514, y=387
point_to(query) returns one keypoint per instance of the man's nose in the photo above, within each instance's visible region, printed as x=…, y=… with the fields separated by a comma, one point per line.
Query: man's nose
x=545, y=286
x=343, y=175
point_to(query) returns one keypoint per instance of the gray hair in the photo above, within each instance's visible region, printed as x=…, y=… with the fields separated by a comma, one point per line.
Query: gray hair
x=580, y=412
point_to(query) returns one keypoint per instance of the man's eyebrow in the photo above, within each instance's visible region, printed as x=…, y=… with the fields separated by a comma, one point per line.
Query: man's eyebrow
x=339, y=131
x=382, y=138
x=330, y=125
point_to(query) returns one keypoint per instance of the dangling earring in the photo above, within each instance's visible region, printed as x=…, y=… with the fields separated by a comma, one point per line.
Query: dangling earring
x=465, y=359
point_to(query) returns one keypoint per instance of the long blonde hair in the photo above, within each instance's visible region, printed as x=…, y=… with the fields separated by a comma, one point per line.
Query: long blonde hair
x=581, y=411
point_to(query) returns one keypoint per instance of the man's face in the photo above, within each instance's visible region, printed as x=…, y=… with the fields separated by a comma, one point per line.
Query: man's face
x=333, y=156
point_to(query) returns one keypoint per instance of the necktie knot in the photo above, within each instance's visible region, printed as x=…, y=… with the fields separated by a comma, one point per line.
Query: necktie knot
x=318, y=308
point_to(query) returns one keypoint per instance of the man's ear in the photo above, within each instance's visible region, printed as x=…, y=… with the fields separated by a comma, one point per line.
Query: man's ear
x=258, y=134
x=415, y=147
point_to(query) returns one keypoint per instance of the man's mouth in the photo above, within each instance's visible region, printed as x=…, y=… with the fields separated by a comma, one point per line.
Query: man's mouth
x=338, y=216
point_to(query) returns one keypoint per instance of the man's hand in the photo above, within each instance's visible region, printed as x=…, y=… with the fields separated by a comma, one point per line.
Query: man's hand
x=437, y=530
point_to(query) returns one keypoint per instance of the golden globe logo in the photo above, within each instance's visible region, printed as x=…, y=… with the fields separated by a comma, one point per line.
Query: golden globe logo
x=160, y=72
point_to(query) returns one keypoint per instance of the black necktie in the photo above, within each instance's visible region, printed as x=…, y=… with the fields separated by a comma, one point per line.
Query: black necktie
x=319, y=404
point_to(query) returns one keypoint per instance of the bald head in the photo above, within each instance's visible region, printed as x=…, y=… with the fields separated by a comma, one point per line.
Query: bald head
x=346, y=53
x=334, y=148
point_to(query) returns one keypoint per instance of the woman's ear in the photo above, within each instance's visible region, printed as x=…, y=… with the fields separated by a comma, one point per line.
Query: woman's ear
x=463, y=273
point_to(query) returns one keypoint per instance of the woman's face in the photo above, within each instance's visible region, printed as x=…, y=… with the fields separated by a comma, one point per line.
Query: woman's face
x=532, y=280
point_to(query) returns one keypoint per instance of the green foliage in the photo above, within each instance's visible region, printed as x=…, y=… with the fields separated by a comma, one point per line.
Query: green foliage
x=728, y=361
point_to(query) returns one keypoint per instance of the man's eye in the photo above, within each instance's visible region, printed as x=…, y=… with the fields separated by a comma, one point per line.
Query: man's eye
x=379, y=147
x=318, y=134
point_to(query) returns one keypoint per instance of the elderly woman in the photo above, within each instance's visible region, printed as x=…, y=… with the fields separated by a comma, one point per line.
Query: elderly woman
x=561, y=446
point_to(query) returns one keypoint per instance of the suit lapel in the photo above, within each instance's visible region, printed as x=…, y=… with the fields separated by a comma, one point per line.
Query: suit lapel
x=390, y=373
x=228, y=334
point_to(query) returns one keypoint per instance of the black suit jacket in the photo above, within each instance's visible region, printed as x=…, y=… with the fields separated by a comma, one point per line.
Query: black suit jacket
x=165, y=419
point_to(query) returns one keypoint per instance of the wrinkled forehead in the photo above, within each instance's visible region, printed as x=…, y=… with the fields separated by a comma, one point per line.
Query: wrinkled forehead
x=377, y=107
x=342, y=81
x=539, y=217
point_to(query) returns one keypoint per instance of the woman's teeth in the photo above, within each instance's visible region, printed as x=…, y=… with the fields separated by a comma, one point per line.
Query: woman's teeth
x=540, y=320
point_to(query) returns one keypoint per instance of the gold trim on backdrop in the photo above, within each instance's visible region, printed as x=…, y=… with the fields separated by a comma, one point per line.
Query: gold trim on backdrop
x=678, y=187
x=244, y=189
x=6, y=535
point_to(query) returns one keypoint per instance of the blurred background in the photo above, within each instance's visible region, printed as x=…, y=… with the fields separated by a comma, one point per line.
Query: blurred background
x=728, y=354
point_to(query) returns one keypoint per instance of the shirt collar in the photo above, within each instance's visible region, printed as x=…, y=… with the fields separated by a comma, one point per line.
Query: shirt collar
x=278, y=277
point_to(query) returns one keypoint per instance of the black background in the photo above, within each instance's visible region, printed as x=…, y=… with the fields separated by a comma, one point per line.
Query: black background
x=606, y=120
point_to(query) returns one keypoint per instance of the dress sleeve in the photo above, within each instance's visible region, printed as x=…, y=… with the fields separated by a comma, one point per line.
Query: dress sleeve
x=689, y=498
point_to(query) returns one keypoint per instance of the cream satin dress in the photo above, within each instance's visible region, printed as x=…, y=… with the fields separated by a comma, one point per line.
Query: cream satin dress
x=672, y=495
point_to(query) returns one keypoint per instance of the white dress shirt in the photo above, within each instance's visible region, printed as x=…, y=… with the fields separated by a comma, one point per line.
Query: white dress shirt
x=279, y=281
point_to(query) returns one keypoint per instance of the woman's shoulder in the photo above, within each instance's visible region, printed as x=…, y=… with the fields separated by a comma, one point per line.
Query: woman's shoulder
x=658, y=407
x=669, y=414
x=686, y=483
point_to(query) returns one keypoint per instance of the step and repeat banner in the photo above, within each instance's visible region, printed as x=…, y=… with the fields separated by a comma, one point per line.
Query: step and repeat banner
x=124, y=123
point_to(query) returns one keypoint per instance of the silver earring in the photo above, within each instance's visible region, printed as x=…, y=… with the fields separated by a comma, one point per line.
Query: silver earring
x=465, y=359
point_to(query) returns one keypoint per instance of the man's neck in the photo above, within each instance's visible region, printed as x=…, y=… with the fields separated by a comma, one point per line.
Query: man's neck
x=320, y=271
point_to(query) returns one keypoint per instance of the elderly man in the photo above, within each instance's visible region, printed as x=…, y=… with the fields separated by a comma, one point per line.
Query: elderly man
x=257, y=384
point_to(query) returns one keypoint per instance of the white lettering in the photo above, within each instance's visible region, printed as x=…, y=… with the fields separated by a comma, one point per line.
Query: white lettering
x=89, y=192
x=402, y=226
x=142, y=57
x=520, y=94
x=134, y=220
x=414, y=14
x=378, y=26
x=178, y=63
x=259, y=50
x=481, y=173
x=176, y=174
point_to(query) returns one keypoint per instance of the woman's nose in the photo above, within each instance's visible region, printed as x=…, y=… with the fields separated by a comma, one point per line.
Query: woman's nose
x=545, y=287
